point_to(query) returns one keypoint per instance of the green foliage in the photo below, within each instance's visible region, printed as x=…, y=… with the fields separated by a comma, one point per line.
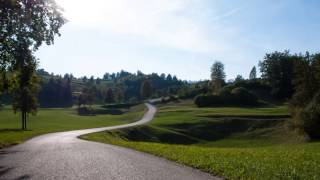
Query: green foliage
x=25, y=25
x=121, y=105
x=217, y=76
x=189, y=91
x=277, y=70
x=305, y=102
x=209, y=100
x=56, y=92
x=311, y=117
x=253, y=73
x=109, y=96
x=24, y=87
x=239, y=78
x=228, y=97
x=241, y=96
x=146, y=89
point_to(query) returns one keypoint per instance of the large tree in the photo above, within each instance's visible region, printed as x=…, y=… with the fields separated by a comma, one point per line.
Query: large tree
x=306, y=99
x=217, y=76
x=277, y=70
x=25, y=25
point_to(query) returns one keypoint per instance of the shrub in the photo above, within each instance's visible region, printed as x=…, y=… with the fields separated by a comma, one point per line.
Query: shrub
x=84, y=111
x=241, y=96
x=311, y=117
x=237, y=97
x=208, y=100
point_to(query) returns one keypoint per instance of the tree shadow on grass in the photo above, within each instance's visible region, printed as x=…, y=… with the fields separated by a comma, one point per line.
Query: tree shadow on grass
x=14, y=130
x=153, y=134
x=220, y=128
x=93, y=112
x=199, y=131
x=11, y=130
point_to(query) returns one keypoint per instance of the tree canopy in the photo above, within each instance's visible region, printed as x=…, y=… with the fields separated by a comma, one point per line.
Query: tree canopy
x=217, y=76
x=25, y=25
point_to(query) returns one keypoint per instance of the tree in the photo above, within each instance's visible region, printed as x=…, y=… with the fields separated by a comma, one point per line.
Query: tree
x=98, y=81
x=239, y=78
x=169, y=77
x=217, y=76
x=109, y=96
x=146, y=89
x=84, y=79
x=106, y=76
x=277, y=71
x=306, y=99
x=25, y=25
x=253, y=73
x=91, y=80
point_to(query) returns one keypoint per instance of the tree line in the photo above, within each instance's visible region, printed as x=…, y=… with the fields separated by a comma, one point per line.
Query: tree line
x=67, y=90
x=285, y=77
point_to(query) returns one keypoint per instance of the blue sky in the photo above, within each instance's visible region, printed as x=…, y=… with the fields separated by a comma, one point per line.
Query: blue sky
x=181, y=37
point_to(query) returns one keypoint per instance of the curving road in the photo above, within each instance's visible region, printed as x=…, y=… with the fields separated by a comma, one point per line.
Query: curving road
x=64, y=156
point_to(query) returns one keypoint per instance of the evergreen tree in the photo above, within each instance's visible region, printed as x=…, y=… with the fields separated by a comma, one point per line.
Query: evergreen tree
x=239, y=78
x=253, y=73
x=217, y=76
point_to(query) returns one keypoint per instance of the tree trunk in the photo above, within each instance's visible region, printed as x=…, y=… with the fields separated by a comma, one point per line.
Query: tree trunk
x=24, y=120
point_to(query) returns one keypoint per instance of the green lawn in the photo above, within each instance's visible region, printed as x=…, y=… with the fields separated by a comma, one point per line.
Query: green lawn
x=53, y=120
x=234, y=143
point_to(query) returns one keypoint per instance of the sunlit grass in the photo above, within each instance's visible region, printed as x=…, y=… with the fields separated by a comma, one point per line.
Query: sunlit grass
x=238, y=147
x=55, y=119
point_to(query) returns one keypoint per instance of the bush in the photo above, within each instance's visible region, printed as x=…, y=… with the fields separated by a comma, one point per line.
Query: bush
x=84, y=111
x=311, y=117
x=121, y=105
x=241, y=96
x=237, y=97
x=208, y=100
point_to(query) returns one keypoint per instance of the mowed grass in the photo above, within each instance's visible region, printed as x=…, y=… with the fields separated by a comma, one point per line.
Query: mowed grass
x=233, y=143
x=55, y=119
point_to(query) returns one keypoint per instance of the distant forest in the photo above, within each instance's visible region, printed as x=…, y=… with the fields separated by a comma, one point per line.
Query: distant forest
x=123, y=86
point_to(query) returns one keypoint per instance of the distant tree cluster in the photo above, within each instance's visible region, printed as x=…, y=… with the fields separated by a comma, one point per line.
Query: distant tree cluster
x=67, y=90
x=56, y=92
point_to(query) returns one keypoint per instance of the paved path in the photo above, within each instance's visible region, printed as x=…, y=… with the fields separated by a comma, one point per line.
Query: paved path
x=64, y=156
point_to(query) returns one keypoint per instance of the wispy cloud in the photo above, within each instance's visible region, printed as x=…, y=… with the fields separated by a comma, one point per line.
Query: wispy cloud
x=161, y=22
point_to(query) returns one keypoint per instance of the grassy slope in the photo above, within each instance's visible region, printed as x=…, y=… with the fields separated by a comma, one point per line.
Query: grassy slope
x=53, y=120
x=231, y=147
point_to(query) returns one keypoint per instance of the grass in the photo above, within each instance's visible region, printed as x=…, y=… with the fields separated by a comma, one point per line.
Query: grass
x=234, y=143
x=55, y=119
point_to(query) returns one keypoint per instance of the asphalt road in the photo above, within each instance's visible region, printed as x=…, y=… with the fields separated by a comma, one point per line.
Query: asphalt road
x=64, y=156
